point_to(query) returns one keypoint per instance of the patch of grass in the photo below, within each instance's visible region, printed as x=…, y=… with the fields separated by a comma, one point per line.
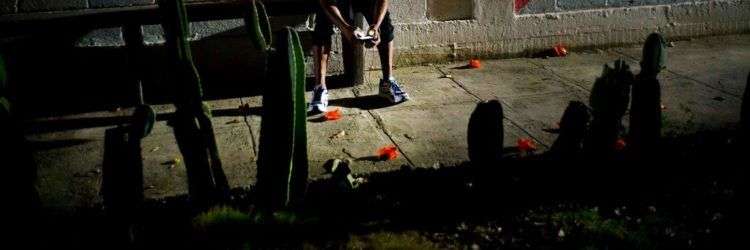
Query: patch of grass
x=391, y=240
x=589, y=222
x=587, y=229
x=220, y=217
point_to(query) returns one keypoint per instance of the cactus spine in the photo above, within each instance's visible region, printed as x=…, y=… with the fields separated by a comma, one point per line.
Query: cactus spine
x=486, y=134
x=282, y=156
x=192, y=126
x=645, y=110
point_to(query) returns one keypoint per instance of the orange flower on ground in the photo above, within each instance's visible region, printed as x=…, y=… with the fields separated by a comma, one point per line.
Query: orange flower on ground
x=333, y=115
x=560, y=50
x=388, y=152
x=526, y=145
x=620, y=144
x=475, y=63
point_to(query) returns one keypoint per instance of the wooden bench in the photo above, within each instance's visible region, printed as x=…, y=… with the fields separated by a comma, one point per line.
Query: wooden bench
x=24, y=23
x=132, y=18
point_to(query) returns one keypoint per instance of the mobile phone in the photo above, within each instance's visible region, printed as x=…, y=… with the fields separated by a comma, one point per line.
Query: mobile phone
x=362, y=36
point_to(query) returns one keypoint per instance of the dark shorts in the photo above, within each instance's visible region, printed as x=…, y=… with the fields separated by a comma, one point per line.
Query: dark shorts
x=324, y=27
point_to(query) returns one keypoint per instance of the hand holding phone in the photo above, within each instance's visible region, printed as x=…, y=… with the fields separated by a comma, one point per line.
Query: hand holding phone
x=361, y=35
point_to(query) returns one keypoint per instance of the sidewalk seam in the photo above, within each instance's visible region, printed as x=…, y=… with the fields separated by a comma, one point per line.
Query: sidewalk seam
x=381, y=125
x=687, y=77
x=505, y=106
x=555, y=74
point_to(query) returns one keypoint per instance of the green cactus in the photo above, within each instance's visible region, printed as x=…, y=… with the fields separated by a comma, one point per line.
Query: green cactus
x=3, y=76
x=573, y=127
x=609, y=100
x=4, y=104
x=654, y=55
x=143, y=121
x=282, y=160
x=258, y=26
x=645, y=110
x=745, y=115
x=486, y=134
x=192, y=125
x=17, y=159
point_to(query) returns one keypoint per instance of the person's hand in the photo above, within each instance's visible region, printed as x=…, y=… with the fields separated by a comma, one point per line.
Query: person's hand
x=375, y=31
x=347, y=32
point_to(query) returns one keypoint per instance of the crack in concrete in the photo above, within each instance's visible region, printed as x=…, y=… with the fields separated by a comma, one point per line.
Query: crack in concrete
x=573, y=82
x=738, y=97
x=380, y=124
x=505, y=106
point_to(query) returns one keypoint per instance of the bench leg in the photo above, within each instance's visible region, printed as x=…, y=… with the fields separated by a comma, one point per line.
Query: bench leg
x=354, y=56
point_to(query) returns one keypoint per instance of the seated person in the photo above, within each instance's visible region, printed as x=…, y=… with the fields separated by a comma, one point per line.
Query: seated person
x=340, y=13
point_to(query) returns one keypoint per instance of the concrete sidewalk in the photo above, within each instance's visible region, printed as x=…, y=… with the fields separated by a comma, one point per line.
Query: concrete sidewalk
x=701, y=90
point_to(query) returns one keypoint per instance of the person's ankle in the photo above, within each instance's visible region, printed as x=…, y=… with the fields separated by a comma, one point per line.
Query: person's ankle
x=320, y=86
x=389, y=78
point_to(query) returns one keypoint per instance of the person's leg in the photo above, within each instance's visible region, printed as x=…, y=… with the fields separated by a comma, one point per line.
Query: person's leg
x=321, y=52
x=385, y=51
x=388, y=86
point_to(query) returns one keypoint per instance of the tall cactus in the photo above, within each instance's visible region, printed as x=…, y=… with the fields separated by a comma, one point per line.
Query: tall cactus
x=282, y=160
x=745, y=115
x=192, y=126
x=573, y=127
x=645, y=110
x=609, y=101
x=16, y=159
x=4, y=104
x=282, y=156
x=486, y=134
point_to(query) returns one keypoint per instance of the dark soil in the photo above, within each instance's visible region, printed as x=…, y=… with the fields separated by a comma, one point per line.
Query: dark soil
x=691, y=198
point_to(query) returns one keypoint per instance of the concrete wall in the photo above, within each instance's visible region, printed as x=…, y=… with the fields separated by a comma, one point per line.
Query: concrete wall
x=456, y=29
x=427, y=31
x=506, y=28
x=549, y=6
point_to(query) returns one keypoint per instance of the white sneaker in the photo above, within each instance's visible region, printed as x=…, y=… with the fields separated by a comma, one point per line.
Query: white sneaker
x=390, y=90
x=319, y=103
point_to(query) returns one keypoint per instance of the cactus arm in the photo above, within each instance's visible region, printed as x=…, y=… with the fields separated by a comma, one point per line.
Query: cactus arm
x=258, y=26
x=293, y=80
x=4, y=103
x=205, y=125
x=176, y=31
x=265, y=25
x=192, y=122
x=3, y=77
x=299, y=170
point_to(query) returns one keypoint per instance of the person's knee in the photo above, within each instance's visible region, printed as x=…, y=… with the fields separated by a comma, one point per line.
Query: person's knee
x=382, y=46
x=322, y=49
x=322, y=41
